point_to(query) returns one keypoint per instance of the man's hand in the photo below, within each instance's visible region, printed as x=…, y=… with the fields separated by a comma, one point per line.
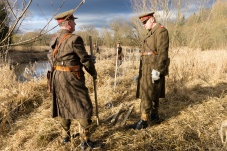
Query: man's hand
x=155, y=75
x=93, y=58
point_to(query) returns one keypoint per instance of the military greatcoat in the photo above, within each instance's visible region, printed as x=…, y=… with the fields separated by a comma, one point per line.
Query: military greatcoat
x=70, y=95
x=157, y=40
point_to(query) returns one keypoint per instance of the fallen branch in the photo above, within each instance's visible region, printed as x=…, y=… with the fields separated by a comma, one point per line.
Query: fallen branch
x=127, y=115
x=114, y=119
x=109, y=117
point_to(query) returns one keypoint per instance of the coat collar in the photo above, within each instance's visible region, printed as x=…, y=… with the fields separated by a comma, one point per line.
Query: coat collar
x=63, y=31
x=151, y=31
x=155, y=27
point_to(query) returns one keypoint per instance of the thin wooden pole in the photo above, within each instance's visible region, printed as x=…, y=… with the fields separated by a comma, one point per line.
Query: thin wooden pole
x=116, y=70
x=94, y=83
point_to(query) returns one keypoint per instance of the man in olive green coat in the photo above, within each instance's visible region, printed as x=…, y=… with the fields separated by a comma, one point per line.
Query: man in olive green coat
x=70, y=95
x=155, y=63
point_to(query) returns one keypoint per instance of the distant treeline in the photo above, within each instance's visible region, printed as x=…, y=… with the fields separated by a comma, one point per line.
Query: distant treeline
x=205, y=29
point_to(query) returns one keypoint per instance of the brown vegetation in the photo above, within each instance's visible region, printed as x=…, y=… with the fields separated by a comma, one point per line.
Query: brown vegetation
x=195, y=103
x=30, y=48
x=193, y=110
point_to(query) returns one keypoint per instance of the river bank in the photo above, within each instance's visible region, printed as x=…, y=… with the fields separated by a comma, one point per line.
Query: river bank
x=19, y=57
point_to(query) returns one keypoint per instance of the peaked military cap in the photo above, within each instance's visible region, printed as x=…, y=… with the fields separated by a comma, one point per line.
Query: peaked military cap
x=146, y=16
x=65, y=16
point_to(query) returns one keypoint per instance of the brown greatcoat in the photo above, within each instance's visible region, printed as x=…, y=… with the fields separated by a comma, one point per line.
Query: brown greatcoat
x=70, y=95
x=158, y=41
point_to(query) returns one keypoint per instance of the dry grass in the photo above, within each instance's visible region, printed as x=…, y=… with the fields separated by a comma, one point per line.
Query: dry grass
x=194, y=107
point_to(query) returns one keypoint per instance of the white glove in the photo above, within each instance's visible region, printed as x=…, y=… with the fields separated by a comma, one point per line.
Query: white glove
x=155, y=75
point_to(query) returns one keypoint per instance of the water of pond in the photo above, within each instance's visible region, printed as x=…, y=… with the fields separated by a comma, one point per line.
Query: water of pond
x=28, y=71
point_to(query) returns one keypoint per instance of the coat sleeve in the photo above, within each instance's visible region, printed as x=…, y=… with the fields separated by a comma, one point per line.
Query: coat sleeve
x=162, y=49
x=85, y=59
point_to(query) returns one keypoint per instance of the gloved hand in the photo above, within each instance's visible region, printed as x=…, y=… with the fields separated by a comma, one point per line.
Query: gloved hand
x=93, y=58
x=155, y=75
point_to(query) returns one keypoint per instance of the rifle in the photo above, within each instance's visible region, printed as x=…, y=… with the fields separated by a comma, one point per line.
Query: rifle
x=94, y=83
x=82, y=2
x=139, y=78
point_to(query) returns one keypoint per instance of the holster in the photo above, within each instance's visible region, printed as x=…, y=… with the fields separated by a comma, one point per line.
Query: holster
x=77, y=74
x=49, y=80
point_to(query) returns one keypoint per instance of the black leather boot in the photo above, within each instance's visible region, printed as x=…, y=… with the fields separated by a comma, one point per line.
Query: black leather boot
x=66, y=130
x=154, y=117
x=87, y=144
x=141, y=124
x=65, y=140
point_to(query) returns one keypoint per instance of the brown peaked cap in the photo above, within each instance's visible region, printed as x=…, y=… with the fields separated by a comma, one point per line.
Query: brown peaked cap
x=65, y=15
x=146, y=16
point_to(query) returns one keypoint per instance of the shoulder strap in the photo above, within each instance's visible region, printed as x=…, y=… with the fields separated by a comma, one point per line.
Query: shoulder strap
x=59, y=44
x=154, y=51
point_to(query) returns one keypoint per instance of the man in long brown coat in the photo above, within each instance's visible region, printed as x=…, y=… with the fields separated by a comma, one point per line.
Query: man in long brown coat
x=70, y=95
x=154, y=69
x=119, y=54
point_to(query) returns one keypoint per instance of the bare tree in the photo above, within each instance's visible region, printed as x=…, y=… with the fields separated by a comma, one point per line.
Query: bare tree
x=106, y=37
x=14, y=19
x=88, y=30
x=173, y=15
x=17, y=16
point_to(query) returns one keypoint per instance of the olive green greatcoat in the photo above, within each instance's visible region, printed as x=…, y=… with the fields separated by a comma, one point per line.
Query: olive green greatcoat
x=157, y=40
x=70, y=95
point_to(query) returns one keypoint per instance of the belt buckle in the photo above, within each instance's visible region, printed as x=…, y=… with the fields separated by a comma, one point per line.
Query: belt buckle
x=62, y=63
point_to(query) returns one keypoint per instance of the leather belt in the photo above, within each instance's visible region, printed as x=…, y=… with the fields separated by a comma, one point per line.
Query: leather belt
x=67, y=68
x=147, y=53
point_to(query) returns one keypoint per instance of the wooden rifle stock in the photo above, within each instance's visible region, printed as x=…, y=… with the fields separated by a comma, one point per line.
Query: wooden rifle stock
x=94, y=83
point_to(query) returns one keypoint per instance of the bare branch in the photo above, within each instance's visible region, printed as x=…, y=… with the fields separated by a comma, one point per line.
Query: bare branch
x=16, y=22
x=11, y=9
x=36, y=38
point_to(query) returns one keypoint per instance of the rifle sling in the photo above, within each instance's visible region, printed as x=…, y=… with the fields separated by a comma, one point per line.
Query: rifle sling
x=59, y=44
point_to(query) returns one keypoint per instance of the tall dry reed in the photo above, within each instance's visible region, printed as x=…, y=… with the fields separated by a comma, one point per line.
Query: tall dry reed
x=192, y=111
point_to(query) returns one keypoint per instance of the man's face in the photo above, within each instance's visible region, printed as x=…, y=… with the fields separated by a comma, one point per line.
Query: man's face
x=72, y=25
x=149, y=23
